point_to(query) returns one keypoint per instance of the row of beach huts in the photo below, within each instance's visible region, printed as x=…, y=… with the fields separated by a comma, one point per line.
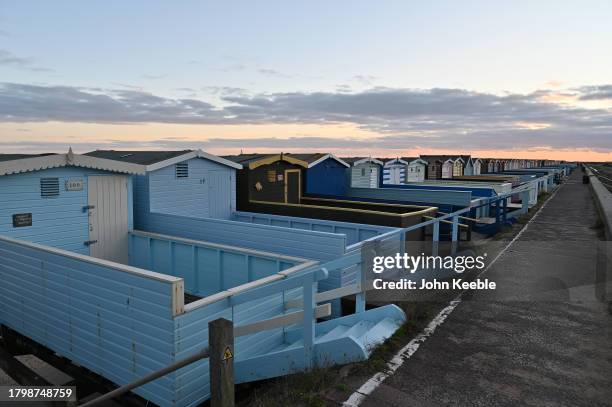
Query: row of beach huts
x=118, y=260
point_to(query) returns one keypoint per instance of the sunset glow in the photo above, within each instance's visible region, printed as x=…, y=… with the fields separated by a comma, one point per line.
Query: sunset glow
x=403, y=80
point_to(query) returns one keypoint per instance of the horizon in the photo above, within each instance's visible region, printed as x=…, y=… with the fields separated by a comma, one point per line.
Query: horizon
x=351, y=78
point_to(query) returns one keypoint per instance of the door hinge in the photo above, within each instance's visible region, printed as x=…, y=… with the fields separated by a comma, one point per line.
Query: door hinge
x=89, y=242
x=88, y=207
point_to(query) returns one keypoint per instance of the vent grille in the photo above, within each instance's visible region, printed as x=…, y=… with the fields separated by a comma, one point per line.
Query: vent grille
x=49, y=187
x=182, y=170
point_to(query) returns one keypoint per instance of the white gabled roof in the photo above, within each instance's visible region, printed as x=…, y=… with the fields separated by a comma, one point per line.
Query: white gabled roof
x=368, y=160
x=395, y=161
x=190, y=155
x=419, y=160
x=325, y=157
x=67, y=160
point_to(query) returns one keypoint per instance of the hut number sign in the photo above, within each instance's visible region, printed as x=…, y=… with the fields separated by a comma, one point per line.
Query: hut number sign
x=74, y=184
x=21, y=220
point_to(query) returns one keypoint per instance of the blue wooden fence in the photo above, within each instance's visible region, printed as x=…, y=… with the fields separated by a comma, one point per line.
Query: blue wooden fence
x=354, y=232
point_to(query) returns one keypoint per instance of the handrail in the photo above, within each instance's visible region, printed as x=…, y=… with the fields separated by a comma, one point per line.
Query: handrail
x=461, y=225
x=339, y=208
x=275, y=287
x=436, y=220
x=202, y=354
x=211, y=299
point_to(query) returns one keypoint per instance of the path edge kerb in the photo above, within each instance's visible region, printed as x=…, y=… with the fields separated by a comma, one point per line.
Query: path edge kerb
x=603, y=201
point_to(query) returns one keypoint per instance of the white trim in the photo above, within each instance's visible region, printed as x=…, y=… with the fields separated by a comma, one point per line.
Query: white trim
x=325, y=157
x=188, y=156
x=447, y=160
x=211, y=299
x=419, y=160
x=292, y=318
x=368, y=160
x=65, y=160
x=93, y=260
x=396, y=161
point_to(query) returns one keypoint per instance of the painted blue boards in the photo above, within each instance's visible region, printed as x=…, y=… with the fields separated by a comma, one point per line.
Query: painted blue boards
x=186, y=183
x=326, y=173
x=57, y=195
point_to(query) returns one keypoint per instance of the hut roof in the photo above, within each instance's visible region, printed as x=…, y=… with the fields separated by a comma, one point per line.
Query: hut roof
x=12, y=157
x=154, y=160
x=359, y=160
x=18, y=163
x=315, y=158
x=253, y=161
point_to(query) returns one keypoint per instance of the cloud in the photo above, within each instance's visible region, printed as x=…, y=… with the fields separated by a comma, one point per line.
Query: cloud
x=7, y=58
x=226, y=90
x=403, y=118
x=595, y=92
x=365, y=79
x=272, y=72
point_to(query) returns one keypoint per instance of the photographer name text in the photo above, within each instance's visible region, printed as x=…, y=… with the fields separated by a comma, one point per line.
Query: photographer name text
x=423, y=284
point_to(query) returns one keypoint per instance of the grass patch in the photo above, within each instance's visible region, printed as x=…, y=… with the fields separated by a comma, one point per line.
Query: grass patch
x=321, y=386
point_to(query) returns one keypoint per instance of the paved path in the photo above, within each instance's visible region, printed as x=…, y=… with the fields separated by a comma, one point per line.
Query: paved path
x=541, y=339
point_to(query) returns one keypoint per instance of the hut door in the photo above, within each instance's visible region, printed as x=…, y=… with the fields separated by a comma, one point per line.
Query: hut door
x=292, y=186
x=447, y=170
x=373, y=177
x=219, y=194
x=395, y=173
x=107, y=199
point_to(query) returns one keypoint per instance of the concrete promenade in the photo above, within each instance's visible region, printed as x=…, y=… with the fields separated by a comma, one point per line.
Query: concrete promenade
x=541, y=339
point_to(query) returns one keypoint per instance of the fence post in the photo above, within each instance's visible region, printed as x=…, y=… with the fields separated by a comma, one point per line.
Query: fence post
x=525, y=201
x=362, y=274
x=221, y=345
x=505, y=210
x=435, y=238
x=309, y=293
x=455, y=234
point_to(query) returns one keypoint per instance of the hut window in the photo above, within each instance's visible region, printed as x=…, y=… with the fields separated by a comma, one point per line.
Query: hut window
x=363, y=172
x=49, y=187
x=182, y=170
x=271, y=175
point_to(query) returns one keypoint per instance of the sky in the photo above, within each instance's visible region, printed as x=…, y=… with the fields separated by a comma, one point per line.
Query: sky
x=383, y=78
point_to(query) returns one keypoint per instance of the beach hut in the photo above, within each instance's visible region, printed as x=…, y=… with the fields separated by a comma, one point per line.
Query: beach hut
x=434, y=168
x=268, y=178
x=447, y=168
x=68, y=201
x=417, y=169
x=325, y=175
x=476, y=166
x=484, y=165
x=449, y=165
x=365, y=172
x=458, y=165
x=186, y=182
x=394, y=170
